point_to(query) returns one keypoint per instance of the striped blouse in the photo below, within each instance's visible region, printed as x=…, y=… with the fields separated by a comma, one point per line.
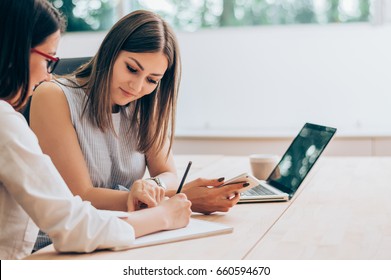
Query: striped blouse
x=111, y=159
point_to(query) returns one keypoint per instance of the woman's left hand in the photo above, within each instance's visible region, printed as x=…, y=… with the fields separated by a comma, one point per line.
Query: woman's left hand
x=207, y=197
x=144, y=194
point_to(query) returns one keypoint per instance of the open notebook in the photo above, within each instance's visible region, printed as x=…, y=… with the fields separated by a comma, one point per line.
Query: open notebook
x=195, y=229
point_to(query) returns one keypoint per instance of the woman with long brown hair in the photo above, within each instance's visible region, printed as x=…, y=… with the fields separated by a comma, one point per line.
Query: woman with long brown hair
x=115, y=116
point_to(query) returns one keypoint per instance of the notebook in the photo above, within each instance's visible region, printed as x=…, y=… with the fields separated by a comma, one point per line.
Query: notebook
x=293, y=167
x=195, y=229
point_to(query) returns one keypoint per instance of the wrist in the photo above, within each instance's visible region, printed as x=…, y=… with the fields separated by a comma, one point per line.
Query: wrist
x=158, y=182
x=170, y=192
x=161, y=217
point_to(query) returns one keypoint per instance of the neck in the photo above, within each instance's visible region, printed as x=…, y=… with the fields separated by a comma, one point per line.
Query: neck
x=114, y=109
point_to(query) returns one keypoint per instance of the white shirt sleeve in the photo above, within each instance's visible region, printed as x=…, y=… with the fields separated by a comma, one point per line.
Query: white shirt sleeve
x=32, y=180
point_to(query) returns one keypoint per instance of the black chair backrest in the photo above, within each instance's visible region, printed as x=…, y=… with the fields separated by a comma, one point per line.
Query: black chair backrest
x=64, y=66
x=68, y=65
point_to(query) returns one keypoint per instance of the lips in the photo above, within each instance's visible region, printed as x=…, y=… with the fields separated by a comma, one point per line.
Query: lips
x=128, y=94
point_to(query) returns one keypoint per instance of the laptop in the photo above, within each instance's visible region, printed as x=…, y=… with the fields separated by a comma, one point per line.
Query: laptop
x=293, y=167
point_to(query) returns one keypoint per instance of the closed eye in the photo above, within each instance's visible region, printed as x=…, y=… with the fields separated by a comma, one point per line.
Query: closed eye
x=132, y=70
x=153, y=81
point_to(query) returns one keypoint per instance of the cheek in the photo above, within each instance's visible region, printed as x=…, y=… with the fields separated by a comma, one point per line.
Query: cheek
x=38, y=72
x=147, y=91
x=149, y=88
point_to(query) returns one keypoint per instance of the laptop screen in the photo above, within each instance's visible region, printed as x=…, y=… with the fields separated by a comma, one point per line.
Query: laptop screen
x=300, y=157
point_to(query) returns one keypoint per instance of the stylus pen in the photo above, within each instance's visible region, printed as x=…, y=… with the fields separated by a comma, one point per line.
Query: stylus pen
x=184, y=177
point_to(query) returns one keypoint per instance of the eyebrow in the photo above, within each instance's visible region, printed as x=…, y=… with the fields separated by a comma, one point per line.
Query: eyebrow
x=142, y=68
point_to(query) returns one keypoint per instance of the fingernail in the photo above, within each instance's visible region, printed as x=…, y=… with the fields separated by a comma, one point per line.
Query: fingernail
x=220, y=179
x=246, y=185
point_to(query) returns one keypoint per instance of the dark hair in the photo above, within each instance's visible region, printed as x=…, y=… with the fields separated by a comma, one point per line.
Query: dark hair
x=154, y=114
x=24, y=24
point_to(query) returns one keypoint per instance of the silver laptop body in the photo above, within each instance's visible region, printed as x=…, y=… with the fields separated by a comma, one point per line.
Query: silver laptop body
x=294, y=166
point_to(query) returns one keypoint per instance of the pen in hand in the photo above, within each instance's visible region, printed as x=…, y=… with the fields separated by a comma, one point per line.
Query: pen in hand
x=184, y=177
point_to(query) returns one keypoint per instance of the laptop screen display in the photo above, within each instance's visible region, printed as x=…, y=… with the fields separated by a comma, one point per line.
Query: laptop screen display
x=305, y=150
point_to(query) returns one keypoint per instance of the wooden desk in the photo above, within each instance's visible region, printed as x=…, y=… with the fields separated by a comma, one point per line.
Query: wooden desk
x=342, y=211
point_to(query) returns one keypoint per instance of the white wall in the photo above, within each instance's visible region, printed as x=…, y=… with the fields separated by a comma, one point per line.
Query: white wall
x=246, y=81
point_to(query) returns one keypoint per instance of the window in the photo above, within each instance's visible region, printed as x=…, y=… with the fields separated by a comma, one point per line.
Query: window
x=87, y=15
x=90, y=15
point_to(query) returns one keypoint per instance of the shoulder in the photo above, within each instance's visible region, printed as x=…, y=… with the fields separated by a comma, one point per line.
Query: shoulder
x=48, y=91
x=13, y=126
x=48, y=101
x=56, y=89
x=9, y=117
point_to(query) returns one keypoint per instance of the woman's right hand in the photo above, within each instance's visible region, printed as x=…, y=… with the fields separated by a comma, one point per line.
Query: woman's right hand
x=171, y=213
x=176, y=211
x=144, y=194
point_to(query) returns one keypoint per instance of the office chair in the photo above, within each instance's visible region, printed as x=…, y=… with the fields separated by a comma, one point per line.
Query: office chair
x=68, y=65
x=64, y=66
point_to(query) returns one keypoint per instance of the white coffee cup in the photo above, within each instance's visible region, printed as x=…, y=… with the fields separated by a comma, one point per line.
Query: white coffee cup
x=262, y=165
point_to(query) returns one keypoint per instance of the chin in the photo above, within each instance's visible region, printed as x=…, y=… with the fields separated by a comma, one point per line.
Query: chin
x=123, y=104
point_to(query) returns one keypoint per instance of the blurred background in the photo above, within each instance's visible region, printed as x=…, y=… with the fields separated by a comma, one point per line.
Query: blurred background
x=254, y=71
x=93, y=15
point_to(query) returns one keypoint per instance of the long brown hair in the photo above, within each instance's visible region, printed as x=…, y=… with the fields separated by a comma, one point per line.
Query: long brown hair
x=154, y=114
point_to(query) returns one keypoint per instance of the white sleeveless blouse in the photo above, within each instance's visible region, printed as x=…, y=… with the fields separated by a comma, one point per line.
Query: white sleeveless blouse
x=112, y=160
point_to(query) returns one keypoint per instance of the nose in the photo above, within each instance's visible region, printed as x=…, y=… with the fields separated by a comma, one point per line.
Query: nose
x=136, y=85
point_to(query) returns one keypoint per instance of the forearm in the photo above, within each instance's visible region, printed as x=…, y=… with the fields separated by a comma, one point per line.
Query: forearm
x=147, y=221
x=170, y=192
x=106, y=199
x=159, y=165
x=169, y=178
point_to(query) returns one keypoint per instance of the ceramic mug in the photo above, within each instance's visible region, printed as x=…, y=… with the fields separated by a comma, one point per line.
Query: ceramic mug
x=262, y=165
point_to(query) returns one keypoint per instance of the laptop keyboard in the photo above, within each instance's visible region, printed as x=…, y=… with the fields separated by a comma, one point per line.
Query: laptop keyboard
x=258, y=190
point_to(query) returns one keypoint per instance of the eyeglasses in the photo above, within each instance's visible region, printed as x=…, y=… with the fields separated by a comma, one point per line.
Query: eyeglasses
x=51, y=63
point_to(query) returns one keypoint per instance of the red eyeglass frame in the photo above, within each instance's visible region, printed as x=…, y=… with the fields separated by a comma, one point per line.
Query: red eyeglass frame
x=52, y=58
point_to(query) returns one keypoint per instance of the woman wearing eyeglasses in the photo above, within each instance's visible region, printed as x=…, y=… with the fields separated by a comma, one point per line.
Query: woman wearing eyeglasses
x=32, y=192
